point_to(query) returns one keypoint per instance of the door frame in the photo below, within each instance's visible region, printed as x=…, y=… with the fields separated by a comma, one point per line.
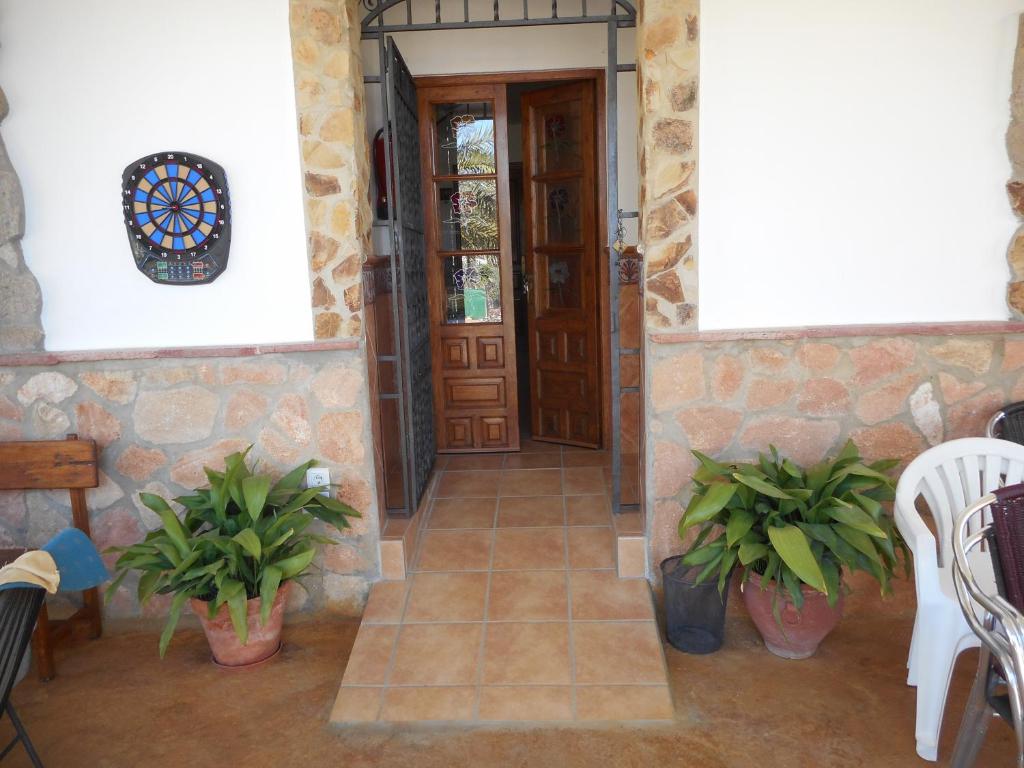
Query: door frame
x=605, y=310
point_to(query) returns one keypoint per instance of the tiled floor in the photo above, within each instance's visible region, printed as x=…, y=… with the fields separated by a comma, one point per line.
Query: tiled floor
x=513, y=611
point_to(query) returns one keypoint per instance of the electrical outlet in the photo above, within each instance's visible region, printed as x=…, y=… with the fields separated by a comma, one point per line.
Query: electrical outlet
x=318, y=476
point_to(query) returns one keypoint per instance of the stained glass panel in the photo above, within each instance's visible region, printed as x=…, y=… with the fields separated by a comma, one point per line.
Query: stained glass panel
x=563, y=278
x=559, y=137
x=469, y=215
x=472, y=288
x=561, y=200
x=465, y=139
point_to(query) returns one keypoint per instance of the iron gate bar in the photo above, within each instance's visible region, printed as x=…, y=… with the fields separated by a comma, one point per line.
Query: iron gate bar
x=621, y=15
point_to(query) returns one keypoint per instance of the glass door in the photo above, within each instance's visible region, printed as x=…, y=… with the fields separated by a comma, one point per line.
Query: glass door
x=465, y=175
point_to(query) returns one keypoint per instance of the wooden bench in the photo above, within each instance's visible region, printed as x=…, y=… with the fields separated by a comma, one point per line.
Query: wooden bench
x=51, y=465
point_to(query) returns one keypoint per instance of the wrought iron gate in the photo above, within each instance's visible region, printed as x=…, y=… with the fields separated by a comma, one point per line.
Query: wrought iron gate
x=384, y=17
x=408, y=272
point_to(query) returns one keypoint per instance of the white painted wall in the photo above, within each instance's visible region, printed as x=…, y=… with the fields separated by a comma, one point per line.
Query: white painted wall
x=93, y=85
x=852, y=161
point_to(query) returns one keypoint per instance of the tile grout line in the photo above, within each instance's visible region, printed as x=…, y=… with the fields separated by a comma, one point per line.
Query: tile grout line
x=487, y=606
x=573, y=708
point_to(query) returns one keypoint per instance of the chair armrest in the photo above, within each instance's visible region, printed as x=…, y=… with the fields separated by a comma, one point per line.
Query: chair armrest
x=921, y=542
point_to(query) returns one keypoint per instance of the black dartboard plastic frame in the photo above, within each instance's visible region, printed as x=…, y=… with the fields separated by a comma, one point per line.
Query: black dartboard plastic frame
x=178, y=216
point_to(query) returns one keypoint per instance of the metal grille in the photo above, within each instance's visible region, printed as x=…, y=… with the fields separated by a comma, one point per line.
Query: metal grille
x=410, y=268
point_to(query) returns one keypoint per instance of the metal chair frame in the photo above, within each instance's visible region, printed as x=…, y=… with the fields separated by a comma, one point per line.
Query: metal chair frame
x=19, y=608
x=1000, y=627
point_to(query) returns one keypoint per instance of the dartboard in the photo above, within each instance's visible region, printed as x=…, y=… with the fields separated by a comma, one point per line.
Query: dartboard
x=177, y=214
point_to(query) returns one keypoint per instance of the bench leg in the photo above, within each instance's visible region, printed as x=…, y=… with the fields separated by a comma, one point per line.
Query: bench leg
x=91, y=600
x=42, y=647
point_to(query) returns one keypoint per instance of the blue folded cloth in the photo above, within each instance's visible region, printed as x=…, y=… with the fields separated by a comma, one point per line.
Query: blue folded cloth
x=77, y=559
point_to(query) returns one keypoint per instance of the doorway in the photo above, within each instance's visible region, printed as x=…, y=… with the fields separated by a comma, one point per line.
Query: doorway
x=511, y=182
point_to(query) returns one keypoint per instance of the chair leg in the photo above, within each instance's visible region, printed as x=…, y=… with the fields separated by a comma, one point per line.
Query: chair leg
x=977, y=716
x=23, y=735
x=914, y=642
x=42, y=646
x=934, y=659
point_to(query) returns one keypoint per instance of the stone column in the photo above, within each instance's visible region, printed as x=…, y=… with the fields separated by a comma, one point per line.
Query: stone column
x=335, y=159
x=667, y=44
x=1015, y=187
x=20, y=300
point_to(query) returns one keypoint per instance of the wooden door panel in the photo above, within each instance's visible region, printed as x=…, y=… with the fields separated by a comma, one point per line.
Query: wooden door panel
x=472, y=324
x=474, y=393
x=561, y=200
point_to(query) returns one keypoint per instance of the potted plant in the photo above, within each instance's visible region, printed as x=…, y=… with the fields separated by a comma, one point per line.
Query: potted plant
x=795, y=532
x=234, y=554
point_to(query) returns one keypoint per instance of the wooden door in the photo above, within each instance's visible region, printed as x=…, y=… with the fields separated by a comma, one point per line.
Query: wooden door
x=561, y=200
x=469, y=278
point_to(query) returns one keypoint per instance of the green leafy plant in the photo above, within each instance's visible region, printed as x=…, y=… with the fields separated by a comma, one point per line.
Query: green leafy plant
x=792, y=525
x=239, y=539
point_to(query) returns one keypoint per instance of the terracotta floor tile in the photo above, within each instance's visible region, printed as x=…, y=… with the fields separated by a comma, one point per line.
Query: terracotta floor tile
x=624, y=653
x=534, y=511
x=629, y=523
x=455, y=551
x=371, y=655
x=529, y=445
x=526, y=703
x=437, y=654
x=475, y=461
x=478, y=482
x=441, y=461
x=526, y=653
x=387, y=599
x=462, y=513
x=623, y=702
x=587, y=459
x=528, y=596
x=584, y=480
x=602, y=595
x=591, y=547
x=447, y=597
x=529, y=549
x=531, y=482
x=356, y=705
x=588, y=510
x=426, y=704
x=533, y=460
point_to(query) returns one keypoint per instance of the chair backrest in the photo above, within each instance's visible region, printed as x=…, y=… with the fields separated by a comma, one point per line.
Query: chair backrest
x=19, y=607
x=1007, y=423
x=954, y=475
x=1008, y=542
x=48, y=464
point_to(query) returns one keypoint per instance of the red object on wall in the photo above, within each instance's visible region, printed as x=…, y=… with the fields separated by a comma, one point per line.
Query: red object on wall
x=380, y=172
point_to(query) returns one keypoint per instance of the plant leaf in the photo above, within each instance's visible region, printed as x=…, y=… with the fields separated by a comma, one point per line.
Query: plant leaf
x=296, y=564
x=857, y=518
x=761, y=486
x=268, y=591
x=792, y=545
x=177, y=603
x=250, y=542
x=740, y=522
x=254, y=491
x=704, y=507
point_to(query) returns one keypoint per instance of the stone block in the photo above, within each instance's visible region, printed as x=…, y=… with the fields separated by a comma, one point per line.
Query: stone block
x=677, y=380
x=886, y=401
x=769, y=392
x=244, y=407
x=49, y=386
x=116, y=386
x=184, y=415
x=806, y=441
x=673, y=468
x=338, y=386
x=824, y=397
x=140, y=463
x=709, y=429
x=340, y=437
x=188, y=470
x=878, y=359
x=726, y=378
x=97, y=423
x=975, y=356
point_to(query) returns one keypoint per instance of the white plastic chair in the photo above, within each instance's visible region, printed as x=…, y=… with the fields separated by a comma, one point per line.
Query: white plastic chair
x=949, y=477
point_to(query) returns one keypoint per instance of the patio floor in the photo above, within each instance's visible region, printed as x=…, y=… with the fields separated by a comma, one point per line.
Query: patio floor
x=114, y=704
x=513, y=610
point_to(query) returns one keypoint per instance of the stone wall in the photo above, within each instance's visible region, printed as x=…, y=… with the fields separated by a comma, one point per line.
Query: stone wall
x=667, y=61
x=20, y=300
x=894, y=395
x=335, y=159
x=158, y=422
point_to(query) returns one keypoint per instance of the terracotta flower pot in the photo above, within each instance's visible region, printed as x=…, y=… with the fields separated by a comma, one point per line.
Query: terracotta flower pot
x=801, y=631
x=264, y=640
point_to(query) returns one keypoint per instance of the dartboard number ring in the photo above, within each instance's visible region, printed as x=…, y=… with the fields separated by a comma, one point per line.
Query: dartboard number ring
x=178, y=217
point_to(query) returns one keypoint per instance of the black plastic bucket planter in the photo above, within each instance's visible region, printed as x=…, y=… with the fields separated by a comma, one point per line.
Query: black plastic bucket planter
x=694, y=613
